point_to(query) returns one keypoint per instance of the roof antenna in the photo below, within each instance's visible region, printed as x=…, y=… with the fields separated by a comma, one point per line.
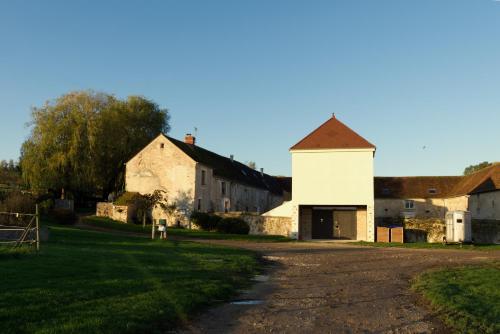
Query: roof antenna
x=195, y=131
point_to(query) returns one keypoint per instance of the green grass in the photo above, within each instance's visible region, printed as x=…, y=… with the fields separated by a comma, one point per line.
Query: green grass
x=118, y=226
x=95, y=282
x=428, y=245
x=467, y=298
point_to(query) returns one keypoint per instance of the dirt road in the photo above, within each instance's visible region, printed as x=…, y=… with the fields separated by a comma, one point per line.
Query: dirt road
x=333, y=288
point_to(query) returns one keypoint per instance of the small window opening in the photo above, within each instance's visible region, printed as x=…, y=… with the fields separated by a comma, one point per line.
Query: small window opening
x=409, y=204
x=203, y=177
x=432, y=191
x=162, y=145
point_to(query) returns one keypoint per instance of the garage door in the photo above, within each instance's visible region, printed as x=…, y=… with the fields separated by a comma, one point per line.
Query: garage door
x=322, y=224
x=345, y=224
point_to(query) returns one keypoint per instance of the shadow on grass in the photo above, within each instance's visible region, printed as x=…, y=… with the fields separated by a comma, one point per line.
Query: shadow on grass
x=95, y=282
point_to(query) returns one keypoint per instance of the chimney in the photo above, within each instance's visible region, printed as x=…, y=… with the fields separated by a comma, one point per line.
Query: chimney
x=231, y=157
x=189, y=139
x=262, y=172
x=333, y=115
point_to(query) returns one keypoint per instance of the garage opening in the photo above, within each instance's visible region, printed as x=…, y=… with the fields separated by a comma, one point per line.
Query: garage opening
x=332, y=222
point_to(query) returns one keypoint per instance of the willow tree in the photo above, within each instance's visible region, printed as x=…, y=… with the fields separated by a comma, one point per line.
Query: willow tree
x=81, y=140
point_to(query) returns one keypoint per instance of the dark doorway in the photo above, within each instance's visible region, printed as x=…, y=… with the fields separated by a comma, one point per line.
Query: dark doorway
x=322, y=224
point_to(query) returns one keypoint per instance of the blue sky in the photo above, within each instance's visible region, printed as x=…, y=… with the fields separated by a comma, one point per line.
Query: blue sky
x=256, y=76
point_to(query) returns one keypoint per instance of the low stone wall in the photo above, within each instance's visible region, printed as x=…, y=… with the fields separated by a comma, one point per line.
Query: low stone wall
x=120, y=213
x=486, y=231
x=417, y=229
x=261, y=225
x=433, y=230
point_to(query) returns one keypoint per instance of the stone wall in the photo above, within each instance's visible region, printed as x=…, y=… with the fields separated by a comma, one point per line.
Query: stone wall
x=485, y=205
x=486, y=231
x=261, y=225
x=425, y=208
x=417, y=230
x=122, y=213
x=433, y=230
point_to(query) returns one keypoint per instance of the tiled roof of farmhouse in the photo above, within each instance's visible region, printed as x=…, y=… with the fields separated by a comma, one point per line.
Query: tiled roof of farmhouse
x=415, y=186
x=230, y=169
x=333, y=134
x=484, y=180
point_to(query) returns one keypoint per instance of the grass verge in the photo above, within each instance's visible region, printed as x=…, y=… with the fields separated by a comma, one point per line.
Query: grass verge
x=467, y=298
x=181, y=232
x=94, y=282
x=428, y=245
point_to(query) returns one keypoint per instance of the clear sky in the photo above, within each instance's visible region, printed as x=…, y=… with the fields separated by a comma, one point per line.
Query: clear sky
x=419, y=78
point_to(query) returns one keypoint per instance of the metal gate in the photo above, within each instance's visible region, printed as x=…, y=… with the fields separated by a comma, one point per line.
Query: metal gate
x=18, y=229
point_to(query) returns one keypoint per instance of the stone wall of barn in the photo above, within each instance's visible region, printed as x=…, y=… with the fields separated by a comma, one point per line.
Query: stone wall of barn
x=122, y=213
x=425, y=208
x=485, y=205
x=261, y=225
x=211, y=197
x=163, y=166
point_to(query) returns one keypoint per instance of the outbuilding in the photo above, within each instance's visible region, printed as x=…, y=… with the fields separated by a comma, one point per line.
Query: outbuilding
x=332, y=181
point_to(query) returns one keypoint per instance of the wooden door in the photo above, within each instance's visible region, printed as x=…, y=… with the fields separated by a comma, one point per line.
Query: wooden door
x=322, y=224
x=345, y=224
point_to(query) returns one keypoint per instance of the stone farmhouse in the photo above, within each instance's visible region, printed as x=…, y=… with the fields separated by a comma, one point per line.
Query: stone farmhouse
x=197, y=179
x=335, y=193
x=433, y=196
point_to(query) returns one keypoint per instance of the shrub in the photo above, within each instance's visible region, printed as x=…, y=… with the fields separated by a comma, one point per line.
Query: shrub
x=128, y=198
x=205, y=221
x=233, y=226
x=64, y=216
x=16, y=201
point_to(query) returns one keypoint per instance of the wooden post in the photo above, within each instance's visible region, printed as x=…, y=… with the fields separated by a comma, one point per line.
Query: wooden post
x=37, y=228
x=153, y=230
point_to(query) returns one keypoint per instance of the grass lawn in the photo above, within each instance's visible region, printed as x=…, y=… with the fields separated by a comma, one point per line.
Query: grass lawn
x=427, y=245
x=181, y=232
x=468, y=298
x=94, y=282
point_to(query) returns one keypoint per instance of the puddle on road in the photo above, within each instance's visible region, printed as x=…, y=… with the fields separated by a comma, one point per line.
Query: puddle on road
x=247, y=302
x=261, y=278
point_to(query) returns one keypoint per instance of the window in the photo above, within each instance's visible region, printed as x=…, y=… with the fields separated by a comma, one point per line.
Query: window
x=432, y=191
x=203, y=177
x=223, y=188
x=386, y=191
x=199, y=204
x=162, y=145
x=409, y=205
x=226, y=206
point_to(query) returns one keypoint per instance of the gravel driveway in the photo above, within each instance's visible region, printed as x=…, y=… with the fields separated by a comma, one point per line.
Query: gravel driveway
x=333, y=288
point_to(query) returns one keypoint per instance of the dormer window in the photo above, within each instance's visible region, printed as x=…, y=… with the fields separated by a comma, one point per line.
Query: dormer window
x=432, y=191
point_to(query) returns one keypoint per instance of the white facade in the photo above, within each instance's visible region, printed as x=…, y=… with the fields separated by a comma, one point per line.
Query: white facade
x=333, y=177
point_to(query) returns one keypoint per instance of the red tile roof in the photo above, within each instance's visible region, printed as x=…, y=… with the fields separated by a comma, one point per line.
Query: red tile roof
x=333, y=134
x=484, y=180
x=415, y=186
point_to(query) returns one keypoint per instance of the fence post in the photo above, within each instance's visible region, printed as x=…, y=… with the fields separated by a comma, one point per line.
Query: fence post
x=153, y=230
x=37, y=228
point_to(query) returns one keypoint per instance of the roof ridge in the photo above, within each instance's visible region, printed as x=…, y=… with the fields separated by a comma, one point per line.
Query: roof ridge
x=333, y=134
